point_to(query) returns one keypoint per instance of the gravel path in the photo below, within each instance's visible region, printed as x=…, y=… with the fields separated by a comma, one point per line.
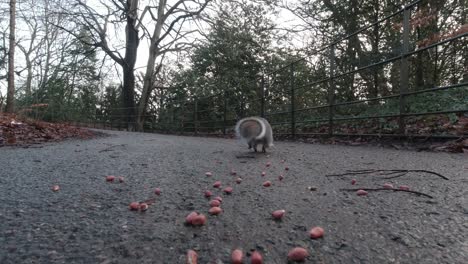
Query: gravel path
x=88, y=220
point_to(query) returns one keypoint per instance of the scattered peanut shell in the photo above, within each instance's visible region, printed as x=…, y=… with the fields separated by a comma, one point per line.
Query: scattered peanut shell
x=215, y=203
x=110, y=178
x=298, y=254
x=268, y=164
x=256, y=258
x=404, y=187
x=192, y=257
x=55, y=188
x=263, y=173
x=219, y=198
x=361, y=193
x=238, y=180
x=199, y=220
x=267, y=184
x=233, y=172
x=281, y=177
x=189, y=218
x=316, y=232
x=143, y=206
x=157, y=191
x=208, y=194
x=217, y=184
x=134, y=206
x=215, y=210
x=278, y=214
x=388, y=186
x=227, y=190
x=208, y=174
x=121, y=179
x=353, y=181
x=237, y=256
x=286, y=168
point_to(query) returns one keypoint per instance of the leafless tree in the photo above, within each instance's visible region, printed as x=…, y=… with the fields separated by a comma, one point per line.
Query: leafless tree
x=114, y=13
x=169, y=35
x=162, y=23
x=51, y=39
x=29, y=50
x=44, y=45
x=10, y=102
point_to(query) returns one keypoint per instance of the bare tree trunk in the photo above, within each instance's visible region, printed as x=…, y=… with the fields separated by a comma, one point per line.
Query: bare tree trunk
x=351, y=53
x=29, y=78
x=50, y=37
x=45, y=70
x=1, y=102
x=10, y=103
x=128, y=89
x=147, y=85
x=374, y=91
x=128, y=96
x=149, y=75
x=465, y=48
x=29, y=68
x=73, y=80
x=32, y=22
x=351, y=50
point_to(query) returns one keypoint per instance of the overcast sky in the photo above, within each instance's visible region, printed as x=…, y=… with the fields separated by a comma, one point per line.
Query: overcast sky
x=117, y=36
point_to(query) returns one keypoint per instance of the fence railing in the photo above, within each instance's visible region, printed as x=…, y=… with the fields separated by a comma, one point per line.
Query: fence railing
x=301, y=103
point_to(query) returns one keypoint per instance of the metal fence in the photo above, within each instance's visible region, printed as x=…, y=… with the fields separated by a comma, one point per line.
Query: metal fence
x=312, y=105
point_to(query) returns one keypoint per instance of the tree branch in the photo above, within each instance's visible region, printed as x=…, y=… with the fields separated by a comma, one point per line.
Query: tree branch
x=102, y=44
x=189, y=14
x=384, y=189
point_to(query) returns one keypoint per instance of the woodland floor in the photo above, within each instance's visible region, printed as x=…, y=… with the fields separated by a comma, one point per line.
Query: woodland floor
x=88, y=220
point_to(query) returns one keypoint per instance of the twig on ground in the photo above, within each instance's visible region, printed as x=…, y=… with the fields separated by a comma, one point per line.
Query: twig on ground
x=349, y=173
x=386, y=172
x=385, y=189
x=245, y=157
x=424, y=171
x=399, y=174
x=393, y=172
x=111, y=147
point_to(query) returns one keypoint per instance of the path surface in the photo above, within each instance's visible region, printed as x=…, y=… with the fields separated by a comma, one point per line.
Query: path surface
x=88, y=220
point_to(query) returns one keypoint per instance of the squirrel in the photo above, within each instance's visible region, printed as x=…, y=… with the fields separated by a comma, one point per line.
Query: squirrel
x=253, y=131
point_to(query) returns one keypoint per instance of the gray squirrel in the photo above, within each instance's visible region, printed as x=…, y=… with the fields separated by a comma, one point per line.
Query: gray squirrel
x=253, y=131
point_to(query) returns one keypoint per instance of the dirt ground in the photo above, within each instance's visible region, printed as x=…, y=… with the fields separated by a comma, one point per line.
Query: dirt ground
x=88, y=220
